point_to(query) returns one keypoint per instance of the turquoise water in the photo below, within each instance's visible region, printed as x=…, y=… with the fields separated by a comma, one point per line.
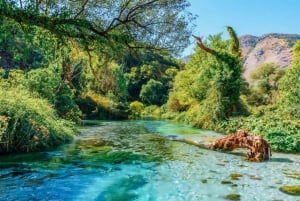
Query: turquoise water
x=135, y=160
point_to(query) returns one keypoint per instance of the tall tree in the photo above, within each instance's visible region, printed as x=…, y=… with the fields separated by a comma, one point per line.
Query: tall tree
x=289, y=84
x=209, y=89
x=108, y=24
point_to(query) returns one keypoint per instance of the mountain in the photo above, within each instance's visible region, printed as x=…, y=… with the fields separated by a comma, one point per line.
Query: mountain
x=269, y=48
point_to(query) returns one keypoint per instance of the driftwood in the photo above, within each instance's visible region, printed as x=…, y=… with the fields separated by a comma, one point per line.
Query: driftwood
x=259, y=149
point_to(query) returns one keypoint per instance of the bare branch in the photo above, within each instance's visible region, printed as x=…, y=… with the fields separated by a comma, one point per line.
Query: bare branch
x=202, y=46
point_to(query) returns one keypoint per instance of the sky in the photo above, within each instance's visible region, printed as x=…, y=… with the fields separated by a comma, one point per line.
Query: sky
x=254, y=17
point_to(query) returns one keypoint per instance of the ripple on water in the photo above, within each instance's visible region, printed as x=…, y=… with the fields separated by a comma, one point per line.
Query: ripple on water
x=135, y=160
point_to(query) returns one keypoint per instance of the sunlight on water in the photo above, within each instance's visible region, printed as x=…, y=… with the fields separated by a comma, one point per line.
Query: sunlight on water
x=134, y=160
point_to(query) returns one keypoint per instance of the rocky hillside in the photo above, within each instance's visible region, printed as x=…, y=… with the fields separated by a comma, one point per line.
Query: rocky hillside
x=276, y=48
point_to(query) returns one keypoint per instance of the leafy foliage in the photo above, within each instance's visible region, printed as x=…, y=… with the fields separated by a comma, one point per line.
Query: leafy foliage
x=278, y=121
x=263, y=88
x=153, y=93
x=71, y=56
x=149, y=65
x=209, y=88
x=19, y=50
x=289, y=84
x=271, y=123
x=108, y=24
x=29, y=123
x=136, y=109
x=43, y=81
x=110, y=79
x=96, y=106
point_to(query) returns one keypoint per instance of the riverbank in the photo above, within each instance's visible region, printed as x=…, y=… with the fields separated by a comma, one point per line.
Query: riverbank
x=276, y=125
x=29, y=124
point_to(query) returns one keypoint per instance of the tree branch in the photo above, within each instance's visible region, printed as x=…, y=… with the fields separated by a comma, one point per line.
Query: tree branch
x=203, y=47
x=55, y=25
x=82, y=9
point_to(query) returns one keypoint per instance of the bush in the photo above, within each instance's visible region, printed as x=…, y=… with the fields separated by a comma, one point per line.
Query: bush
x=136, y=109
x=96, y=106
x=153, y=93
x=65, y=105
x=48, y=84
x=282, y=132
x=44, y=81
x=28, y=124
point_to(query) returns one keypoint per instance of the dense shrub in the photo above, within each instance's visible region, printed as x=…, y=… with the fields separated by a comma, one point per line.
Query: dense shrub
x=44, y=81
x=135, y=109
x=208, y=90
x=288, y=85
x=263, y=86
x=96, y=106
x=153, y=93
x=278, y=129
x=28, y=123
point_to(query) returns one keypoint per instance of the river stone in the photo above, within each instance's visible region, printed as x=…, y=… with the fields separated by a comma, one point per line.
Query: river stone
x=291, y=190
x=233, y=197
x=235, y=176
x=294, y=175
x=204, y=181
x=226, y=182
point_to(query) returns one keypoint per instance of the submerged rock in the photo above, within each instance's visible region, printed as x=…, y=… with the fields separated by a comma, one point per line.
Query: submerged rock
x=226, y=182
x=204, y=181
x=235, y=176
x=291, y=190
x=90, y=142
x=233, y=197
x=294, y=175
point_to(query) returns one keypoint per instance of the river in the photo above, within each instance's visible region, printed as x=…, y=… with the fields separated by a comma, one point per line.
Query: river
x=137, y=161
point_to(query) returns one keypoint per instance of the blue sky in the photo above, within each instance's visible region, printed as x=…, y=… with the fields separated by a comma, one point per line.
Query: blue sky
x=255, y=17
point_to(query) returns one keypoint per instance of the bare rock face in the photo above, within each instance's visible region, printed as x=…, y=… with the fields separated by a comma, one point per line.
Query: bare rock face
x=269, y=48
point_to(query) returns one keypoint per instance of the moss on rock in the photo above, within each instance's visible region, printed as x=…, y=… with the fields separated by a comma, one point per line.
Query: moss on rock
x=291, y=190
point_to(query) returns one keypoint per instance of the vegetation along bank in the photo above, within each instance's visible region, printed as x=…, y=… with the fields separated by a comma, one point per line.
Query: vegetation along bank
x=61, y=63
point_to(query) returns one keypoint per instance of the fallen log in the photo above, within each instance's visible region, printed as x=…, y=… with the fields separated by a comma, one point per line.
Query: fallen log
x=258, y=148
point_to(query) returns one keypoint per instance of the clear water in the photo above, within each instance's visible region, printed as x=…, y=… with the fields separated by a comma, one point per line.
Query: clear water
x=134, y=160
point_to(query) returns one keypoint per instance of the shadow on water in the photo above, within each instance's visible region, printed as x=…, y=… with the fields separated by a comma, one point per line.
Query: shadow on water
x=281, y=160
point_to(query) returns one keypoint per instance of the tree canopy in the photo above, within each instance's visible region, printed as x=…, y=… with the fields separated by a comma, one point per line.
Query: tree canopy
x=158, y=24
x=208, y=90
x=289, y=84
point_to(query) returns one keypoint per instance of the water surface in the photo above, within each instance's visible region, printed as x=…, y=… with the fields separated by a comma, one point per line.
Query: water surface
x=136, y=161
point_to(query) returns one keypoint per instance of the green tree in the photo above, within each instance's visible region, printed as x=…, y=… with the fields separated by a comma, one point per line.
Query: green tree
x=209, y=88
x=153, y=93
x=159, y=66
x=117, y=25
x=263, y=87
x=289, y=86
x=19, y=50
